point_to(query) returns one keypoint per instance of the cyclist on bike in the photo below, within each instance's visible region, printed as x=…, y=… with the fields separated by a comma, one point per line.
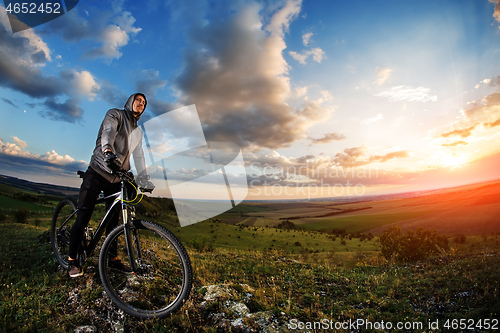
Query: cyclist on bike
x=114, y=146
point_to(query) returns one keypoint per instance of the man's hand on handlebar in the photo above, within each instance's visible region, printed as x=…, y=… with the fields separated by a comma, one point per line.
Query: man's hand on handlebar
x=144, y=184
x=112, y=161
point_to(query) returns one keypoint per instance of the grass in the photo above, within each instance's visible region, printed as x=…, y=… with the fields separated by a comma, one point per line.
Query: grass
x=283, y=274
x=211, y=234
x=339, y=285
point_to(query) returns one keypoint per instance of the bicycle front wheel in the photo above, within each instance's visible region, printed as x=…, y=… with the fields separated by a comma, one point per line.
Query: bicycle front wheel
x=62, y=221
x=163, y=278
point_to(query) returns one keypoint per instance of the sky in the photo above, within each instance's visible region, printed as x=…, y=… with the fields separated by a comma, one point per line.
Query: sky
x=324, y=98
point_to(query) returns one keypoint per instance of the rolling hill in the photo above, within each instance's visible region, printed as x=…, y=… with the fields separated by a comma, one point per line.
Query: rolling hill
x=470, y=210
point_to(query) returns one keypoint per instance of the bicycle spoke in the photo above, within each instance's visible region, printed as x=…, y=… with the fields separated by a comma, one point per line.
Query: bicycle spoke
x=62, y=221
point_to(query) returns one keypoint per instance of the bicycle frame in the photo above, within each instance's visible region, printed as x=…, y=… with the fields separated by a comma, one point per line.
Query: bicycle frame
x=118, y=198
x=90, y=247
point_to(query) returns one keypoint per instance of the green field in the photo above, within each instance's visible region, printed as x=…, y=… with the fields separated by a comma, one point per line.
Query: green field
x=215, y=235
x=8, y=204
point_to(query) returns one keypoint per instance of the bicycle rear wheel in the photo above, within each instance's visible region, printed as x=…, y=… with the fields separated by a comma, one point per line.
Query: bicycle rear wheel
x=62, y=221
x=163, y=280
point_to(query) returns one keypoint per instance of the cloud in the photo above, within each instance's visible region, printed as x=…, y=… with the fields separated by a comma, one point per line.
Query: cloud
x=316, y=53
x=282, y=18
x=82, y=83
x=388, y=156
x=15, y=158
x=109, y=31
x=8, y=101
x=69, y=110
x=19, y=143
x=112, y=38
x=378, y=117
x=496, y=12
x=352, y=164
x=383, y=75
x=477, y=121
x=464, y=133
x=327, y=138
x=306, y=38
x=356, y=156
x=235, y=73
x=23, y=57
x=454, y=144
x=407, y=93
x=112, y=94
x=492, y=124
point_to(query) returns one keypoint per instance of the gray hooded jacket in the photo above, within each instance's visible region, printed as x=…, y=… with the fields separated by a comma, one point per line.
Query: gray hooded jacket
x=120, y=133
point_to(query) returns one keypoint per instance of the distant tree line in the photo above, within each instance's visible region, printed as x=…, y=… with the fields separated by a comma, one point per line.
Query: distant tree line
x=32, y=198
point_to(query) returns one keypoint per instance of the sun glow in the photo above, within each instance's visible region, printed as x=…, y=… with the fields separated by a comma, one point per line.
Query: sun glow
x=453, y=161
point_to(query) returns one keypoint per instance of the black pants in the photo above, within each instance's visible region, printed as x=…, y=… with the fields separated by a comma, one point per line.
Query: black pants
x=92, y=185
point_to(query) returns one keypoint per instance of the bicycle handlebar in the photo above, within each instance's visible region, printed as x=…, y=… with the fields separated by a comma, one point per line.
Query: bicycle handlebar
x=124, y=175
x=129, y=176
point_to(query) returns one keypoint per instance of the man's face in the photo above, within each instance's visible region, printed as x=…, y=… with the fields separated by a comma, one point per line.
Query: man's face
x=138, y=105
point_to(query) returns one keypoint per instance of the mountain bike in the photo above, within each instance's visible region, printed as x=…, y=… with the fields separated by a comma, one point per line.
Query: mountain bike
x=161, y=276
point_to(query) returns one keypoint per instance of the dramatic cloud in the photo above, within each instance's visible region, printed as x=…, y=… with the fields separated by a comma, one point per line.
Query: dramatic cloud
x=22, y=55
x=82, y=84
x=14, y=156
x=112, y=94
x=149, y=82
x=327, y=138
x=69, y=110
x=108, y=30
x=236, y=75
x=352, y=164
x=407, y=93
x=22, y=59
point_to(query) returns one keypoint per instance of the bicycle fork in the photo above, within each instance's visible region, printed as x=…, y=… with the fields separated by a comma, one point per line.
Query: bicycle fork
x=131, y=238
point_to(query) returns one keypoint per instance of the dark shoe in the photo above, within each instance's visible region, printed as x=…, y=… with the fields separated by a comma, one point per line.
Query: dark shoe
x=74, y=269
x=118, y=265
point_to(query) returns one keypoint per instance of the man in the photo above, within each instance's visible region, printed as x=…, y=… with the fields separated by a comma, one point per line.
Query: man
x=114, y=146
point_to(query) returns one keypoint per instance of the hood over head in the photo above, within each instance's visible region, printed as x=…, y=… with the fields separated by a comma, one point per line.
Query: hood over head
x=130, y=102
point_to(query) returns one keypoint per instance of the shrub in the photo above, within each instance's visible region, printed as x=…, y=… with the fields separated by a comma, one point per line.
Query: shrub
x=286, y=225
x=412, y=245
x=459, y=239
x=21, y=216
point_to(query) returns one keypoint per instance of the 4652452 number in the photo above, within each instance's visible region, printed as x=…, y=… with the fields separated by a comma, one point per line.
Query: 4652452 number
x=471, y=324
x=34, y=8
